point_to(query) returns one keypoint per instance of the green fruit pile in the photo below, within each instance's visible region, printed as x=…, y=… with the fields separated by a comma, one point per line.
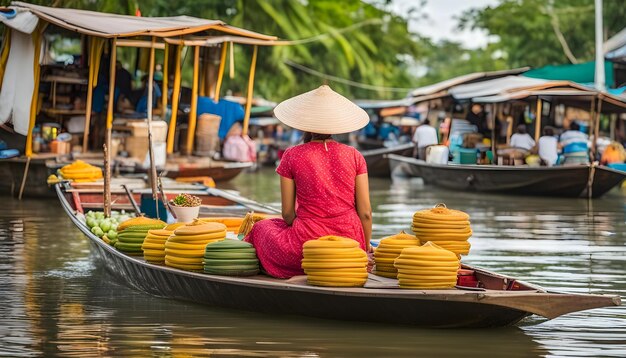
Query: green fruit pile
x=231, y=258
x=106, y=228
x=132, y=233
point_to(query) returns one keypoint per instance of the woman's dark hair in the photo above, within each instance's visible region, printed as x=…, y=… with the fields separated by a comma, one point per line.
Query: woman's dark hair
x=574, y=126
x=547, y=130
x=308, y=136
x=521, y=129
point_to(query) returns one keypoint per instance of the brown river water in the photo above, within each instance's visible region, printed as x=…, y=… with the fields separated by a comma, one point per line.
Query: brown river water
x=56, y=300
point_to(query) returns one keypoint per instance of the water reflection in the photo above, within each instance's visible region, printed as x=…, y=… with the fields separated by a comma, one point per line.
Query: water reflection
x=58, y=301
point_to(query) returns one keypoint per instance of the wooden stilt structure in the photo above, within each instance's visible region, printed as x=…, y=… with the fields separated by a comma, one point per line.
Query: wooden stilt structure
x=175, y=99
x=109, y=127
x=246, y=118
x=538, y=120
x=220, y=72
x=153, y=173
x=191, y=129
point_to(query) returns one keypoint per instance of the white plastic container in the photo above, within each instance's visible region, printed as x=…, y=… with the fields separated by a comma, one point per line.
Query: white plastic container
x=437, y=154
x=185, y=214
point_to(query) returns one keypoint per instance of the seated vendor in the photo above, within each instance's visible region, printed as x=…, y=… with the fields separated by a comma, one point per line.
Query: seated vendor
x=327, y=179
x=575, y=145
x=521, y=139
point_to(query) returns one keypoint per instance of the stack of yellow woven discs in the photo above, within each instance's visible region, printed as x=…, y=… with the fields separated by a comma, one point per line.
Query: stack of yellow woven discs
x=185, y=248
x=154, y=243
x=427, y=267
x=389, y=249
x=232, y=223
x=132, y=232
x=80, y=171
x=449, y=229
x=334, y=261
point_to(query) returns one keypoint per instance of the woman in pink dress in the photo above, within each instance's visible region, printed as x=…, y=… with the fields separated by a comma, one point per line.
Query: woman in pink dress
x=324, y=184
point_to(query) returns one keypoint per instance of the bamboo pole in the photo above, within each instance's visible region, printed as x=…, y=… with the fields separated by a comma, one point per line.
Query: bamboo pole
x=95, y=46
x=220, y=72
x=175, y=99
x=538, y=120
x=153, y=174
x=109, y=126
x=203, y=73
x=231, y=59
x=596, y=129
x=164, y=90
x=246, y=117
x=191, y=129
x=493, y=132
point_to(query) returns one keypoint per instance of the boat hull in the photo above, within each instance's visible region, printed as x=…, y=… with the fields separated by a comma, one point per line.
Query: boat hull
x=449, y=308
x=218, y=174
x=562, y=181
x=378, y=163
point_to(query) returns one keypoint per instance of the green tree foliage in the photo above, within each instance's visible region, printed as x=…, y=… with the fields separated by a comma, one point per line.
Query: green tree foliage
x=449, y=59
x=526, y=30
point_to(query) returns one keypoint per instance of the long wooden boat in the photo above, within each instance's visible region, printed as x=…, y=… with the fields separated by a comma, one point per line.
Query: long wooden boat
x=503, y=300
x=563, y=181
x=377, y=161
x=220, y=171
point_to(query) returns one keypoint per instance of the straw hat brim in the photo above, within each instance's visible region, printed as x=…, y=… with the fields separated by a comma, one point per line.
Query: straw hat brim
x=322, y=111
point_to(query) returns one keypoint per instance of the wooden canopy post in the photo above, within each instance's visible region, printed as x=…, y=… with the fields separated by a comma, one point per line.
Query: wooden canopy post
x=175, y=99
x=95, y=47
x=191, y=129
x=538, y=119
x=164, y=90
x=220, y=73
x=493, y=132
x=153, y=174
x=596, y=129
x=203, y=73
x=246, y=117
x=109, y=126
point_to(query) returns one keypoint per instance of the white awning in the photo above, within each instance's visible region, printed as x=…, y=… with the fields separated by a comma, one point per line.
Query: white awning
x=615, y=47
x=109, y=25
x=493, y=87
x=471, y=77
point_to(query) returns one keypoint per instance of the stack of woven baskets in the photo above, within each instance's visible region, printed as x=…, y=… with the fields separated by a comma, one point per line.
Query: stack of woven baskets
x=154, y=244
x=427, y=267
x=231, y=258
x=185, y=248
x=449, y=229
x=132, y=232
x=389, y=249
x=334, y=261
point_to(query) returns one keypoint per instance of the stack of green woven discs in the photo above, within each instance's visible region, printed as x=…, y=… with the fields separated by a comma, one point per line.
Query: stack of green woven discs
x=231, y=258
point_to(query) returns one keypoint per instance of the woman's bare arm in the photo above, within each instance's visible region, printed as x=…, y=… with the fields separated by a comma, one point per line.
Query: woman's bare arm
x=363, y=207
x=288, y=199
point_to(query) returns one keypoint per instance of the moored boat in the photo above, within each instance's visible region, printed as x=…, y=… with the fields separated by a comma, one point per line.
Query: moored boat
x=564, y=181
x=502, y=301
x=377, y=161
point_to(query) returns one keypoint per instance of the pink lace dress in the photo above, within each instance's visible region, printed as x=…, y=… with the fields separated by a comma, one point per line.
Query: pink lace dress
x=324, y=175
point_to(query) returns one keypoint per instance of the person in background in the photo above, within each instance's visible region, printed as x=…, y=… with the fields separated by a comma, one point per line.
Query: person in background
x=548, y=147
x=239, y=147
x=424, y=136
x=521, y=139
x=323, y=183
x=614, y=153
x=230, y=112
x=142, y=103
x=575, y=145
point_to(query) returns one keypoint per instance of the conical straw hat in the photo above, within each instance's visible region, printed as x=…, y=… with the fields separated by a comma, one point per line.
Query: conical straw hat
x=322, y=111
